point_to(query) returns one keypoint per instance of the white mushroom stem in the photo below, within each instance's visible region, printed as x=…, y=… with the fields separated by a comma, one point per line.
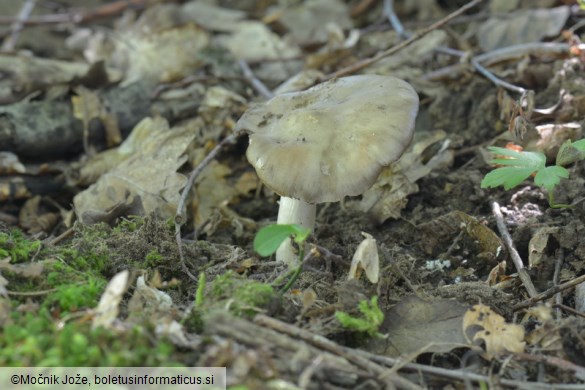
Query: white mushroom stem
x=298, y=212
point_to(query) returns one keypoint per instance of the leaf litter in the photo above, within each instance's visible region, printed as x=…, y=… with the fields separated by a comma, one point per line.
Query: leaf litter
x=428, y=208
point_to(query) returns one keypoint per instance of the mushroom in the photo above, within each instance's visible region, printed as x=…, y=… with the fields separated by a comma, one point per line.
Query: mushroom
x=327, y=142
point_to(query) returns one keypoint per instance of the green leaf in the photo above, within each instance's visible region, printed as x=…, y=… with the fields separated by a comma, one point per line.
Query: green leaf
x=549, y=177
x=518, y=159
x=519, y=166
x=571, y=152
x=509, y=177
x=269, y=238
x=580, y=145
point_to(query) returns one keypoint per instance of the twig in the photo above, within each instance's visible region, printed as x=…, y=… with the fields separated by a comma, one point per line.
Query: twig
x=496, y=80
x=363, y=359
x=524, y=277
x=181, y=214
x=66, y=234
x=36, y=293
x=305, y=377
x=553, y=361
x=505, y=54
x=369, y=61
x=31, y=293
x=549, y=293
x=397, y=25
x=104, y=11
x=254, y=82
x=459, y=375
x=556, y=277
x=10, y=42
x=569, y=309
x=332, y=347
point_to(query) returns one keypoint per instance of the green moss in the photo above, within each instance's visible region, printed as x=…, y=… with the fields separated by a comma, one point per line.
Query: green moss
x=242, y=296
x=73, y=297
x=129, y=225
x=15, y=246
x=368, y=323
x=37, y=340
x=153, y=259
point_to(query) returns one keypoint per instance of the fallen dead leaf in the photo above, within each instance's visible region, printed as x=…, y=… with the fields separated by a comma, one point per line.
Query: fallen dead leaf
x=523, y=26
x=150, y=173
x=482, y=323
x=108, y=306
x=365, y=259
x=419, y=325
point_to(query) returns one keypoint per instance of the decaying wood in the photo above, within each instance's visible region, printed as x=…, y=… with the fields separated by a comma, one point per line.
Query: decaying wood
x=295, y=350
x=48, y=129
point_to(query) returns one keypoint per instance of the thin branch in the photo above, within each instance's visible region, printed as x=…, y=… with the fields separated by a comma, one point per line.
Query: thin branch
x=509, y=53
x=10, y=42
x=372, y=362
x=549, y=293
x=181, y=214
x=372, y=60
x=332, y=347
x=397, y=25
x=569, y=310
x=254, y=82
x=460, y=374
x=524, y=277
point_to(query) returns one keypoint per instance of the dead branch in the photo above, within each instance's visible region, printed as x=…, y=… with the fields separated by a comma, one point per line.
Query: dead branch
x=549, y=293
x=522, y=273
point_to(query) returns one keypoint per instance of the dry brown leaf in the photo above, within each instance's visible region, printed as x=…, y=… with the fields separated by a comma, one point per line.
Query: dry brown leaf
x=307, y=21
x=148, y=302
x=247, y=182
x=25, y=74
x=418, y=325
x=389, y=194
x=253, y=41
x=151, y=173
x=211, y=17
x=210, y=191
x=25, y=270
x=162, y=56
x=498, y=335
x=523, y=26
x=538, y=244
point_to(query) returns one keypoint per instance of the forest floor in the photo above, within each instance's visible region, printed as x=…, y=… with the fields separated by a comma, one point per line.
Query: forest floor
x=106, y=110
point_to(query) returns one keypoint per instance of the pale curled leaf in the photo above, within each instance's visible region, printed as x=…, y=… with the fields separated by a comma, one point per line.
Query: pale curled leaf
x=366, y=259
x=499, y=336
x=108, y=307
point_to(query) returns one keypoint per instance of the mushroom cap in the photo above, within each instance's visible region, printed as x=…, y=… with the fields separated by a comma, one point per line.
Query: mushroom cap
x=331, y=140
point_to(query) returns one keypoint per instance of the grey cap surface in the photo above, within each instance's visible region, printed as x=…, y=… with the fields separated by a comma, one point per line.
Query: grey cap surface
x=331, y=140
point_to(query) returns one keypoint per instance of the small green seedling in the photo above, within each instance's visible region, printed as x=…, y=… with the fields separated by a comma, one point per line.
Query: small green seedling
x=371, y=319
x=269, y=238
x=518, y=166
x=200, y=293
